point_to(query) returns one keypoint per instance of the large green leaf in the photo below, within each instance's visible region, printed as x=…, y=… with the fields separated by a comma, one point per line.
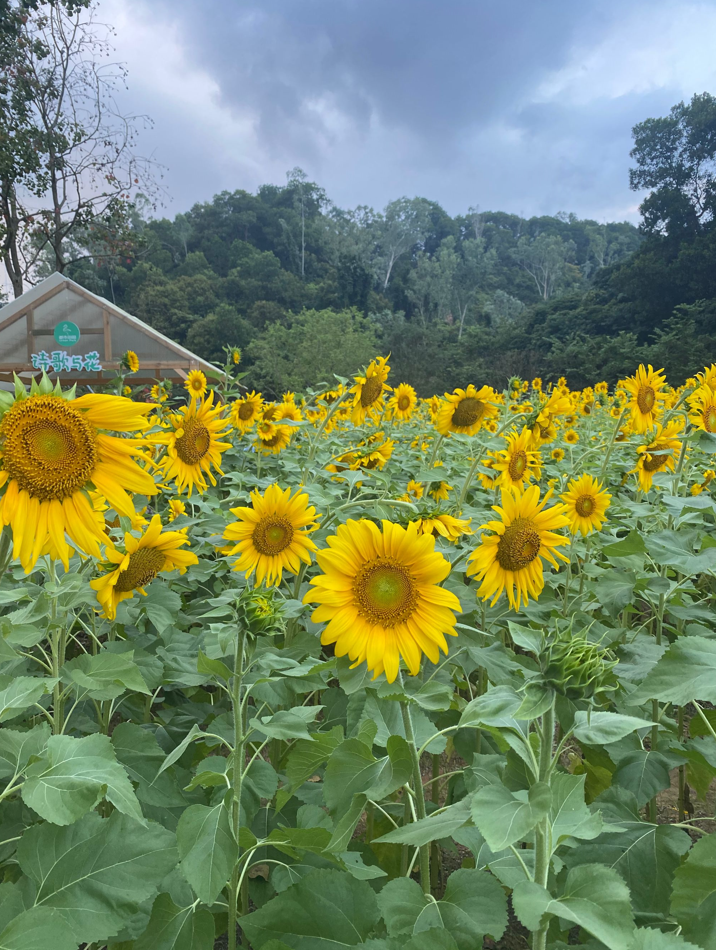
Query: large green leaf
x=104, y=675
x=207, y=848
x=649, y=938
x=351, y=769
x=73, y=775
x=18, y=693
x=142, y=757
x=16, y=748
x=95, y=873
x=37, y=928
x=687, y=671
x=308, y=755
x=601, y=728
x=693, y=900
x=325, y=910
x=505, y=817
x=644, y=773
x=431, y=828
x=474, y=904
x=569, y=814
x=675, y=549
x=496, y=707
x=287, y=723
x=594, y=897
x=177, y=928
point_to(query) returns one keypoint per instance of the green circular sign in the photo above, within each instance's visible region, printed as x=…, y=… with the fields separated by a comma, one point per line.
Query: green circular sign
x=67, y=333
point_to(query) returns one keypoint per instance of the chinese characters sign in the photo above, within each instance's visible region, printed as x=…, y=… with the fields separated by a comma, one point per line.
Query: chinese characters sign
x=62, y=362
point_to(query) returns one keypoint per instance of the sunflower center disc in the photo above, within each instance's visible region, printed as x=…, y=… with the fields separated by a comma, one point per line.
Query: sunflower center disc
x=584, y=506
x=246, y=410
x=645, y=399
x=48, y=447
x=272, y=535
x=710, y=419
x=403, y=403
x=144, y=565
x=467, y=412
x=384, y=592
x=194, y=444
x=519, y=545
x=370, y=391
x=517, y=466
x=652, y=463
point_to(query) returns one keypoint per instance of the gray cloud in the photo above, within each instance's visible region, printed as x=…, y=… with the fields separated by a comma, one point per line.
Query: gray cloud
x=376, y=98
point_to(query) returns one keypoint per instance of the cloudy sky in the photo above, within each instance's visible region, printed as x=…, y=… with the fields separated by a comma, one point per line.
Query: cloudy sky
x=510, y=105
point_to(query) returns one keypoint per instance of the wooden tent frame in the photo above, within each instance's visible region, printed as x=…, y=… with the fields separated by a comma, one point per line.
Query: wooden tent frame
x=149, y=371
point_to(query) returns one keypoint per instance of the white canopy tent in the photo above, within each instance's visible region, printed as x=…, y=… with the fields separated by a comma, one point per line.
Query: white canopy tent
x=79, y=337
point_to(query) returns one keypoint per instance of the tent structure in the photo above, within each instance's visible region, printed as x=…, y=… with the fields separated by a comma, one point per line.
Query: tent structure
x=79, y=337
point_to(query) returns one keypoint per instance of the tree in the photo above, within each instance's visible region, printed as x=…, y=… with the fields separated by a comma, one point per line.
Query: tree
x=309, y=349
x=676, y=160
x=59, y=101
x=545, y=259
x=222, y=327
x=472, y=272
x=403, y=224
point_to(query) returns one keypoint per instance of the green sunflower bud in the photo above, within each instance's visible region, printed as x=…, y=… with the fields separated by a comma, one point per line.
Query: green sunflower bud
x=262, y=610
x=578, y=669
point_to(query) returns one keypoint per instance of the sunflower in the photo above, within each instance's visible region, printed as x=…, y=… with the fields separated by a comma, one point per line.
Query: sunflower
x=703, y=408
x=274, y=442
x=445, y=526
x=273, y=534
x=658, y=454
x=159, y=393
x=245, y=411
x=537, y=384
x=441, y=492
x=373, y=455
x=586, y=502
x=403, y=402
x=544, y=433
x=130, y=361
x=193, y=444
x=369, y=392
x=571, y=437
x=413, y=492
x=466, y=410
x=557, y=404
x=644, y=389
x=511, y=558
x=235, y=355
x=708, y=377
x=519, y=463
x=144, y=558
x=288, y=410
x=557, y=454
x=195, y=384
x=53, y=450
x=176, y=508
x=378, y=595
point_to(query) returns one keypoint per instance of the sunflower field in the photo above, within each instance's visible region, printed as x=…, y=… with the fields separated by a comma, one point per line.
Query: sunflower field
x=357, y=669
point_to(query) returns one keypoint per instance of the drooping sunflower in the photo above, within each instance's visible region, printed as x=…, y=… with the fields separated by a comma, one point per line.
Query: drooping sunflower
x=441, y=492
x=658, y=454
x=445, y=526
x=702, y=404
x=195, y=384
x=369, y=392
x=587, y=503
x=156, y=551
x=272, y=535
x=519, y=463
x=556, y=404
x=373, y=453
x=245, y=411
x=130, y=361
x=379, y=596
x=193, y=444
x=645, y=396
x=274, y=442
x=413, y=492
x=403, y=402
x=466, y=410
x=53, y=450
x=511, y=557
x=176, y=508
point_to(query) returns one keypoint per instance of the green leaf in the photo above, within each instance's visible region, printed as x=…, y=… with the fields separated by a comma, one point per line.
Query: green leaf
x=16, y=748
x=675, y=549
x=218, y=668
x=474, y=905
x=177, y=753
x=644, y=773
x=504, y=817
x=177, y=928
x=396, y=769
x=594, y=897
x=73, y=775
x=693, y=899
x=601, y=728
x=648, y=938
x=325, y=910
x=432, y=939
x=142, y=756
x=37, y=929
x=431, y=828
x=496, y=707
x=18, y=693
x=308, y=755
x=432, y=695
x=343, y=831
x=615, y=589
x=207, y=848
x=569, y=814
x=287, y=723
x=687, y=671
x=95, y=873
x=105, y=675
x=354, y=864
x=352, y=768
x=296, y=841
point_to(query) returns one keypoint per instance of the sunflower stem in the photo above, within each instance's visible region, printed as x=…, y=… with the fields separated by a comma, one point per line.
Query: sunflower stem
x=543, y=831
x=468, y=479
x=419, y=792
x=5, y=548
x=237, y=776
x=610, y=447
